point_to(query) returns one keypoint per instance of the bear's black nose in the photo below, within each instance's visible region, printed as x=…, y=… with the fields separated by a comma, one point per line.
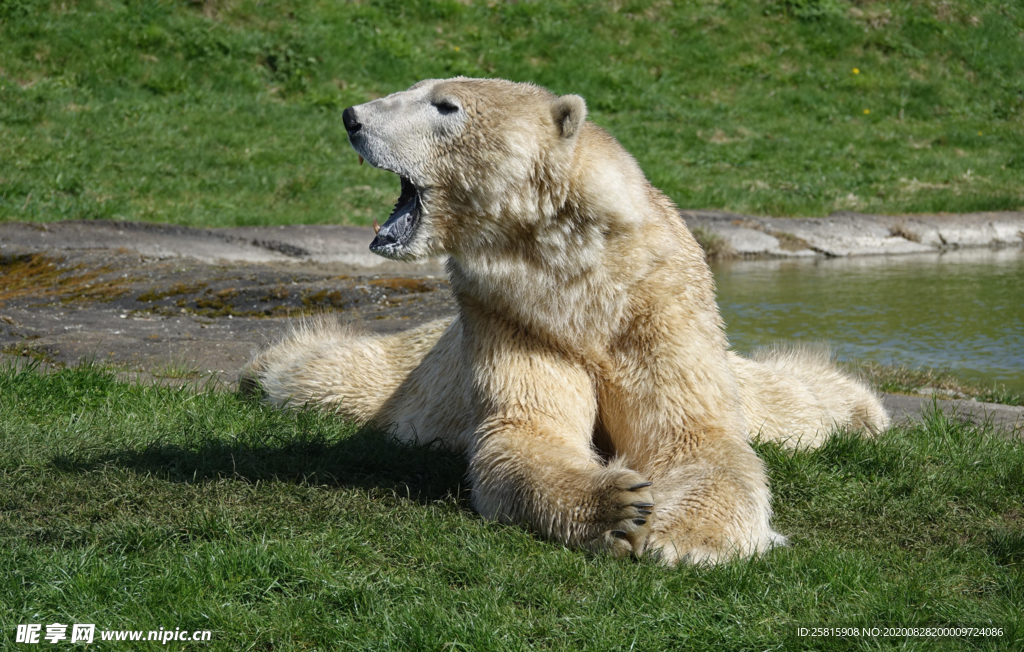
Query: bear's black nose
x=348, y=116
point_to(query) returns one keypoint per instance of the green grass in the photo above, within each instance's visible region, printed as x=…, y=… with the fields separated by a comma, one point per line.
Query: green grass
x=133, y=506
x=227, y=112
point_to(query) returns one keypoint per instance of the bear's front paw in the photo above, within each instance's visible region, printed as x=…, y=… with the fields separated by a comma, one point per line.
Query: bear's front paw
x=625, y=510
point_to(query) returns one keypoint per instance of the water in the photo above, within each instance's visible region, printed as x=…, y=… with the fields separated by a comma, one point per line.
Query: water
x=961, y=311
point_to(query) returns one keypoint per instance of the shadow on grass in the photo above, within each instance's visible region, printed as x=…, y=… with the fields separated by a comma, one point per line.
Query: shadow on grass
x=367, y=459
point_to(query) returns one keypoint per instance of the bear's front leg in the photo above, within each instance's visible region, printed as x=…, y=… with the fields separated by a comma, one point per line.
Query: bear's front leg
x=533, y=463
x=711, y=488
x=523, y=475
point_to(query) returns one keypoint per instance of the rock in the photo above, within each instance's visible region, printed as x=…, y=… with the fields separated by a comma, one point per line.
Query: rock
x=327, y=243
x=746, y=236
x=840, y=234
x=857, y=234
x=748, y=241
x=846, y=235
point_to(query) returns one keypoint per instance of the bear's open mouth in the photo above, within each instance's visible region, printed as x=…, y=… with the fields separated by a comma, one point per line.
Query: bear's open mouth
x=397, y=232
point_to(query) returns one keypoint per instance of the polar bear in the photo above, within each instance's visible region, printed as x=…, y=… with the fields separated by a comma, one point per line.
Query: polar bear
x=586, y=376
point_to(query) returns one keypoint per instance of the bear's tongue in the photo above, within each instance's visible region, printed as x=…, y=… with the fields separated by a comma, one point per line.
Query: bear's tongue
x=400, y=225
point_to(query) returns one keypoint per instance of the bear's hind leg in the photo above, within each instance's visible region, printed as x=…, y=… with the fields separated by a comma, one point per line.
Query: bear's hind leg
x=796, y=395
x=323, y=362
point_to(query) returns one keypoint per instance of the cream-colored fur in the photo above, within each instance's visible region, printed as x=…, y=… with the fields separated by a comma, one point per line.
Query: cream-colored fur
x=586, y=376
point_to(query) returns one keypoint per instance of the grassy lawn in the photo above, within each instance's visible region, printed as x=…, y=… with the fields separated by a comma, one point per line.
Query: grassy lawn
x=137, y=507
x=227, y=112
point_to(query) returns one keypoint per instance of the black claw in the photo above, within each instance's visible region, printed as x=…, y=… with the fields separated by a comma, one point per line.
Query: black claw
x=639, y=521
x=619, y=534
x=643, y=505
x=646, y=512
x=640, y=485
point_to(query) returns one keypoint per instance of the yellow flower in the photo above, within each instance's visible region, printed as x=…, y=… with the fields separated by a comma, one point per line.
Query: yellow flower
x=856, y=71
x=979, y=133
x=457, y=49
x=867, y=111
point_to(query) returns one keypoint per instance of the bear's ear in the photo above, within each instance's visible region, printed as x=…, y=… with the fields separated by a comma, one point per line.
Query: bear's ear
x=569, y=112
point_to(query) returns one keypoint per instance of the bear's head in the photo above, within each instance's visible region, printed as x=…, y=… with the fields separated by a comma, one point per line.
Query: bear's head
x=480, y=160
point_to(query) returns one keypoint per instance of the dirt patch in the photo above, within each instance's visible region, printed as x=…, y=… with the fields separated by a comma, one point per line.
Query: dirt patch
x=404, y=285
x=173, y=291
x=33, y=351
x=790, y=242
x=180, y=319
x=901, y=231
x=44, y=277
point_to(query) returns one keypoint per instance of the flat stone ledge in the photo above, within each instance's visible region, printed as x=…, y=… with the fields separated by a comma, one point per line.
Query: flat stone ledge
x=858, y=234
x=840, y=234
x=297, y=243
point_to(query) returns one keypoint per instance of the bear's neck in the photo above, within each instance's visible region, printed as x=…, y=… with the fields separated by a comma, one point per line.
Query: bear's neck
x=582, y=294
x=555, y=302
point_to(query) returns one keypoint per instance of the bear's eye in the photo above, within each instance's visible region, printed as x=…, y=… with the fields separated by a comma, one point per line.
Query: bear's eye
x=444, y=107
